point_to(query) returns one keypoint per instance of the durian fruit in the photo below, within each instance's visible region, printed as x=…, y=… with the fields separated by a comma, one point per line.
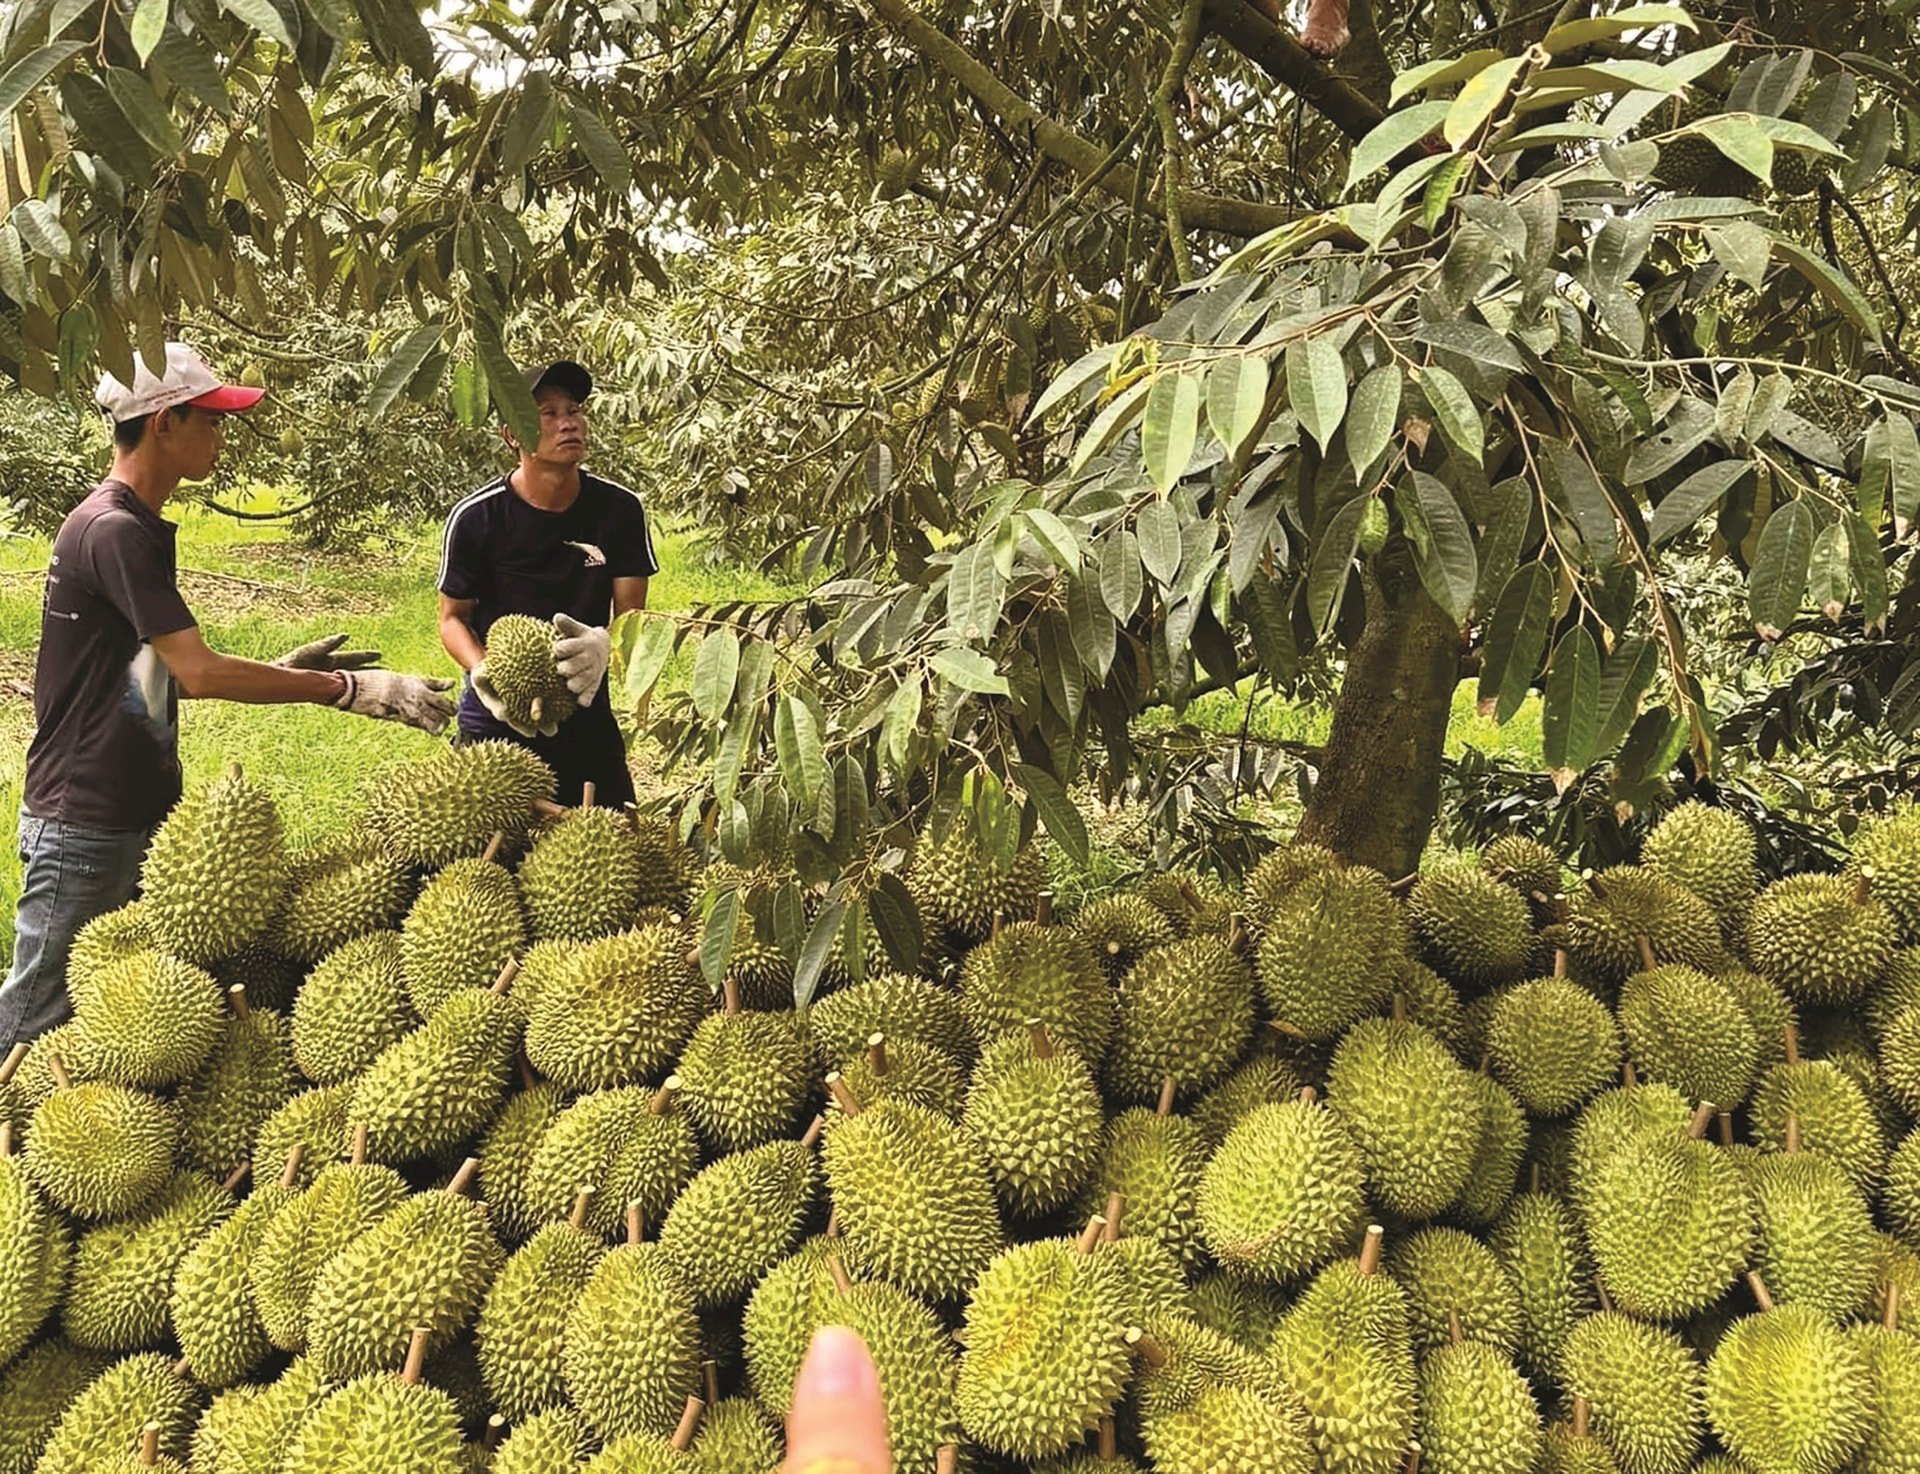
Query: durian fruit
x=1470, y=927
x=443, y=1083
x=904, y=1069
x=633, y=1145
x=1892, y=1357
x=1670, y=1223
x=581, y=877
x=521, y=1330
x=1614, y=1120
x=147, y=1021
x=761, y=971
x=620, y=1012
x=1477, y=1415
x=1035, y=1117
x=1205, y=1405
x=1246, y=1312
x=520, y=665
x=1031, y=971
x=632, y=1348
x=1456, y=1288
x=1524, y=865
x=667, y=867
x=1767, y=1008
x=1105, y=1459
x=212, y=1309
x=1347, y=1349
x=352, y=1006
x=507, y=1155
x=1413, y=1111
x=735, y=1433
x=315, y=1120
x=427, y=1263
x=1331, y=951
x=270, y=979
x=1046, y=1350
x=1538, y=1244
x=100, y=1150
x=738, y=1218
x=1284, y=1193
x=1607, y=918
x=216, y=871
x=1121, y=929
x=1277, y=875
x=34, y=1253
x=245, y=1080
x=1431, y=1002
x=339, y=889
x=35, y=1393
x=1708, y=851
x=913, y=1198
x=1186, y=1010
x=15, y=1108
x=110, y=937
x=1831, y=1111
x=1889, y=846
x=1494, y=1171
x=381, y=1424
x=1156, y=1161
x=553, y=1442
x=1899, y=1059
x=1263, y=1079
x=217, y=1436
x=1571, y=1448
x=1900, y=1194
x=649, y=1453
x=1822, y=938
x=1194, y=904
x=104, y=1425
x=465, y=925
x=1644, y=1387
x=959, y=888
x=893, y=1004
x=1685, y=1028
x=745, y=1077
x=448, y=806
x=1816, y=1242
x=254, y=1439
x=1156, y=1279
x=1787, y=1389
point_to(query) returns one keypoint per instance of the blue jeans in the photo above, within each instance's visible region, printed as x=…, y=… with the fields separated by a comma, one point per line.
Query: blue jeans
x=72, y=875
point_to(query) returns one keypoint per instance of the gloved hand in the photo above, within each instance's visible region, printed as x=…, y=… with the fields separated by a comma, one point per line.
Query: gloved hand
x=581, y=655
x=391, y=697
x=490, y=699
x=327, y=655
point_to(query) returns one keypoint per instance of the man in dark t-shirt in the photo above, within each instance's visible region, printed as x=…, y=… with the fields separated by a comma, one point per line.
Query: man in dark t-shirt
x=556, y=542
x=118, y=646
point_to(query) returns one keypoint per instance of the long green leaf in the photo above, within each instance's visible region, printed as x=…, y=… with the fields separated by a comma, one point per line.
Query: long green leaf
x=1073, y=378
x=1236, y=393
x=264, y=16
x=1781, y=559
x=1391, y=137
x=1057, y=811
x=1515, y=638
x=1118, y=413
x=144, y=30
x=1332, y=560
x=1171, y=428
x=1442, y=542
x=1478, y=99
x=651, y=652
x=1317, y=387
x=598, y=143
x=716, y=667
x=509, y=391
x=1060, y=541
x=1095, y=634
x=401, y=365
x=1689, y=423
x=896, y=921
x=716, y=938
x=1742, y=140
x=1442, y=72
x=803, y=761
x=970, y=671
x=815, y=951
x=1570, y=720
x=1454, y=408
x=1575, y=490
x=1622, y=684
x=29, y=72
x=1372, y=416
x=1693, y=498
x=1122, y=581
x=133, y=94
x=1158, y=528
x=1832, y=285
x=975, y=593
x=1585, y=31
x=1903, y=467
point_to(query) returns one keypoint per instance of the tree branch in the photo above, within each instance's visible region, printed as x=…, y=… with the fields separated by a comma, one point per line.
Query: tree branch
x=1064, y=145
x=1283, y=58
x=1173, y=166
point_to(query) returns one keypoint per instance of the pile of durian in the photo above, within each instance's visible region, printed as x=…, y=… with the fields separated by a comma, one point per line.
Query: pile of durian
x=431, y=1149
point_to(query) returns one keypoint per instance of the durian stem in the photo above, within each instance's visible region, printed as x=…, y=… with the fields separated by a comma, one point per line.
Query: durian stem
x=848, y=1102
x=1793, y=1132
x=1412, y=1463
x=833, y=1222
x=946, y=1459
x=662, y=1100
x=1286, y=1030
x=636, y=1224
x=237, y=1176
x=816, y=1129
x=689, y=1424
x=710, y=1374
x=1043, y=908
x=1644, y=944
x=1090, y=1236
x=57, y=1068
x=1042, y=1040
x=1399, y=1010
x=1167, y=1088
x=1628, y=1077
x=1703, y=1114
x=6, y=1138
x=1594, y=884
x=150, y=1446
x=1454, y=1334
x=1237, y=932
x=1109, y=1438
x=1600, y=1293
x=1793, y=1043
x=877, y=1055
x=1562, y=907
x=527, y=1077
x=837, y=1272
x=181, y=1369
x=290, y=1174
x=496, y=1430
x=508, y=972
x=536, y=709
x=1151, y=1351
x=1113, y=950
x=729, y=997
x=358, y=1156
x=1726, y=1128
x=495, y=842
x=546, y=808
x=582, y=1201
x=237, y=996
x=1582, y=1414
x=1370, y=1248
x=1890, y=1312
x=1759, y=1287
x=1533, y=1178
x=1863, y=886
x=1308, y=1095
x=463, y=1179
x=416, y=1357
x=1116, y=1205
x=1404, y=883
x=236, y=772
x=999, y=920
x=1559, y=962
x=587, y=792
x=12, y=1062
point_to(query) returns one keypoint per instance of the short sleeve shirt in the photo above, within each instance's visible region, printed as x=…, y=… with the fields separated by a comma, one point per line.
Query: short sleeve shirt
x=106, y=752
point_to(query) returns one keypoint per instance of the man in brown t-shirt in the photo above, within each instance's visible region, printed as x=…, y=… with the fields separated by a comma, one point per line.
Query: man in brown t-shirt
x=118, y=646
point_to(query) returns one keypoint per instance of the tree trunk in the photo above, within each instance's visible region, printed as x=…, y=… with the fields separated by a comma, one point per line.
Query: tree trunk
x=1379, y=787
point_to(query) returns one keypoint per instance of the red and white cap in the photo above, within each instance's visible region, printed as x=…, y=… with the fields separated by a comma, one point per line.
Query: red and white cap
x=187, y=380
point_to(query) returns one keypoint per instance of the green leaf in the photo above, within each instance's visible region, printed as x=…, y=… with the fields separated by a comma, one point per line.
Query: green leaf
x=1236, y=394
x=1780, y=565
x=1693, y=498
x=896, y=921
x=41, y=229
x=1570, y=719
x=29, y=72
x=1391, y=137
x=1472, y=340
x=1121, y=580
x=1506, y=517
x=469, y=393
x=1477, y=100
x=1119, y=412
x=1515, y=637
x=716, y=937
x=1573, y=487
x=510, y=393
x=1622, y=683
x=1454, y=408
x=1372, y=416
x=715, y=669
x=1743, y=248
x=651, y=652
x=1055, y=536
x=133, y=94
x=1057, y=811
x=815, y=951
x=975, y=593
x=1842, y=293
x=1688, y=423
x=1584, y=32
x=1828, y=579
x=1158, y=528
x=1332, y=560
x=1171, y=427
x=1440, y=189
x=1739, y=137
x=1073, y=378
x=898, y=726
x=598, y=143
x=529, y=118
x=1317, y=387
x=1443, y=72
x=1091, y=623
x=1903, y=470
x=796, y=741
x=144, y=30
x=1442, y=542
x=970, y=671
x=264, y=16
x=1871, y=142
x=398, y=371
x=1867, y=569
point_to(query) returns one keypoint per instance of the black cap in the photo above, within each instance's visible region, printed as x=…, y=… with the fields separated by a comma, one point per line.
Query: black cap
x=562, y=373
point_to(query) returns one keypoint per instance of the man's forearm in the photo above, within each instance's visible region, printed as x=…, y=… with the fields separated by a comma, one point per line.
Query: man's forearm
x=456, y=635
x=228, y=678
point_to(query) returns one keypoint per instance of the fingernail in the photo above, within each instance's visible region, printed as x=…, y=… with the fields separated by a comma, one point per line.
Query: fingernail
x=838, y=1365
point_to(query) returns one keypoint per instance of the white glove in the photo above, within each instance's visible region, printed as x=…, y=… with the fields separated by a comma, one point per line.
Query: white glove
x=580, y=655
x=391, y=697
x=490, y=699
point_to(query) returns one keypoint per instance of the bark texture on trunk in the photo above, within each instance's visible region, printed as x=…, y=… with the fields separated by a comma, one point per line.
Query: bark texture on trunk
x=1379, y=787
